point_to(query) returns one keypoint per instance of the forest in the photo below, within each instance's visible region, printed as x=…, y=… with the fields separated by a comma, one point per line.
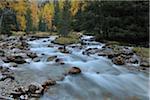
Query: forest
x=119, y=21
x=74, y=50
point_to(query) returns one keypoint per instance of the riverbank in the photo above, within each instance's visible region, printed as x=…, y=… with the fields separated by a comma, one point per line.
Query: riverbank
x=36, y=67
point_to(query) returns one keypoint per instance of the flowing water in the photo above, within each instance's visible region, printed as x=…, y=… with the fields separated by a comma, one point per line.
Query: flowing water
x=100, y=78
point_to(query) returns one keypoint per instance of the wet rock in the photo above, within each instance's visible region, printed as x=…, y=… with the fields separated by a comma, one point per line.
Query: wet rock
x=51, y=58
x=24, y=97
x=59, y=61
x=20, y=89
x=83, y=43
x=127, y=51
x=32, y=88
x=24, y=44
x=83, y=52
x=4, y=69
x=16, y=94
x=63, y=50
x=32, y=55
x=2, y=53
x=13, y=65
x=5, y=98
x=133, y=60
x=144, y=64
x=102, y=54
x=97, y=72
x=35, y=95
x=110, y=56
x=143, y=68
x=44, y=40
x=16, y=59
x=6, y=77
x=60, y=48
x=35, y=89
x=32, y=39
x=36, y=59
x=50, y=46
x=21, y=45
x=48, y=83
x=74, y=70
x=118, y=60
x=42, y=54
x=5, y=60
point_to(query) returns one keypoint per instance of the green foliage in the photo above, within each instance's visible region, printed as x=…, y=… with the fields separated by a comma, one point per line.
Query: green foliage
x=115, y=20
x=125, y=21
x=7, y=21
x=64, y=22
x=29, y=21
x=143, y=52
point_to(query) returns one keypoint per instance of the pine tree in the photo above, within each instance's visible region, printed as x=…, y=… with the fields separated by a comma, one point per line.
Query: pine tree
x=65, y=21
x=29, y=21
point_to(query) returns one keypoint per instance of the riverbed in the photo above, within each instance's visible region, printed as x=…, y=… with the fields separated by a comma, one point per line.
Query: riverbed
x=100, y=79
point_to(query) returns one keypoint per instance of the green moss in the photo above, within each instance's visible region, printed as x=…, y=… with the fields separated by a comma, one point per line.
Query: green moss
x=70, y=39
x=42, y=34
x=19, y=33
x=143, y=52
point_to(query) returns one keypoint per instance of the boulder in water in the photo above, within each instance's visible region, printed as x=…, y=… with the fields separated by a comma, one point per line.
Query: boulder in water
x=63, y=50
x=13, y=65
x=24, y=97
x=32, y=55
x=59, y=61
x=133, y=60
x=102, y=54
x=118, y=60
x=16, y=59
x=144, y=64
x=35, y=90
x=74, y=70
x=32, y=88
x=6, y=77
x=47, y=84
x=51, y=58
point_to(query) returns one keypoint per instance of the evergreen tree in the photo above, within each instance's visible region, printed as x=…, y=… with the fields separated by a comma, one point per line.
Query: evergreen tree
x=65, y=21
x=29, y=21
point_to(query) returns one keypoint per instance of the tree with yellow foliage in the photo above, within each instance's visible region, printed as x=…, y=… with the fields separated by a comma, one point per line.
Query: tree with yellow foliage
x=21, y=7
x=48, y=14
x=75, y=6
x=34, y=14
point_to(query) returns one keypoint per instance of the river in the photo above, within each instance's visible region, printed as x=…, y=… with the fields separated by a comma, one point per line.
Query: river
x=100, y=78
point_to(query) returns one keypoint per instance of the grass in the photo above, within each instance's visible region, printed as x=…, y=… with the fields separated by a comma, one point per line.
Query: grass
x=43, y=34
x=19, y=33
x=70, y=39
x=39, y=34
x=113, y=43
x=141, y=51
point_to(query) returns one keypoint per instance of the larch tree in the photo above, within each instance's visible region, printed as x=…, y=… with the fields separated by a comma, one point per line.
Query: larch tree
x=48, y=14
x=34, y=14
x=21, y=7
x=75, y=6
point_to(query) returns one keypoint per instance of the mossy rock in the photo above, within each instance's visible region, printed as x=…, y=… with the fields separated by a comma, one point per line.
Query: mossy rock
x=66, y=40
x=51, y=58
